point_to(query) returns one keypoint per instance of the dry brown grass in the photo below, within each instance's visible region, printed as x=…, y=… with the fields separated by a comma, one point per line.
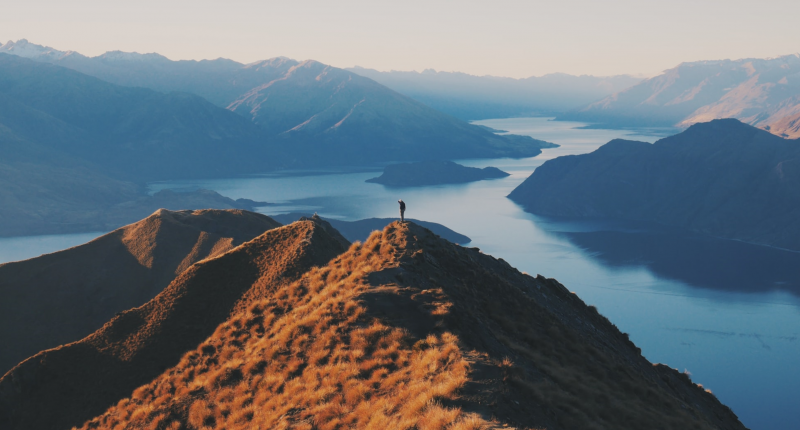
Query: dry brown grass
x=65, y=386
x=62, y=297
x=406, y=331
x=308, y=358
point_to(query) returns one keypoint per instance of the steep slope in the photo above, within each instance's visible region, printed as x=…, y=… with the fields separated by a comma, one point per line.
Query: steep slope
x=321, y=115
x=62, y=387
x=759, y=92
x=127, y=133
x=410, y=331
x=722, y=178
x=471, y=97
x=786, y=122
x=332, y=114
x=62, y=297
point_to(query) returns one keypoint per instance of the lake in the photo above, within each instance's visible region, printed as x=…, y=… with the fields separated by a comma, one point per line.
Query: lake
x=726, y=311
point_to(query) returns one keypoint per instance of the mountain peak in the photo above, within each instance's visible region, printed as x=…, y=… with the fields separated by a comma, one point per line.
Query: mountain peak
x=404, y=330
x=25, y=49
x=129, y=266
x=138, y=344
x=411, y=331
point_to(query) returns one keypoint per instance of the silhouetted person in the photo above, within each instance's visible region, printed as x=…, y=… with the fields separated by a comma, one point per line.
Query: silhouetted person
x=402, y=210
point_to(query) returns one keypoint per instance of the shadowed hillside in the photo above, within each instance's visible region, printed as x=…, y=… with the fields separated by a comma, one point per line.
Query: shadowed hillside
x=65, y=386
x=61, y=297
x=403, y=331
x=721, y=178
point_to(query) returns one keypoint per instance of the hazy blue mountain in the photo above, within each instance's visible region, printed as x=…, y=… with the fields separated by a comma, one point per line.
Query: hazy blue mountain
x=219, y=81
x=721, y=178
x=129, y=133
x=332, y=114
x=318, y=114
x=46, y=191
x=74, y=149
x=472, y=97
x=761, y=92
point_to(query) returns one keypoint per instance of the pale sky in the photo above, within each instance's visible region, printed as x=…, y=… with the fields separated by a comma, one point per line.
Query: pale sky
x=499, y=37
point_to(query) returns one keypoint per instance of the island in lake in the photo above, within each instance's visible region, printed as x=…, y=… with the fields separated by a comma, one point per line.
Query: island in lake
x=434, y=173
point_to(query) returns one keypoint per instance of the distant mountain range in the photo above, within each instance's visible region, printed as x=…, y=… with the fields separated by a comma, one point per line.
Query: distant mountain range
x=298, y=329
x=125, y=132
x=315, y=114
x=722, y=178
x=75, y=149
x=764, y=93
x=472, y=97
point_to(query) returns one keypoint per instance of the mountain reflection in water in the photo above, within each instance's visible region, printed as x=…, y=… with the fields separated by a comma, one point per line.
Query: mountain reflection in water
x=696, y=260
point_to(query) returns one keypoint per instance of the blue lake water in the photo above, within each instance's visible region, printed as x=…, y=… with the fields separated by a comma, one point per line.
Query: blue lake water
x=727, y=312
x=22, y=248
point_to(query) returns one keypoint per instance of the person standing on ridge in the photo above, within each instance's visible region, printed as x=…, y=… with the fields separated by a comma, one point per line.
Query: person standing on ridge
x=402, y=210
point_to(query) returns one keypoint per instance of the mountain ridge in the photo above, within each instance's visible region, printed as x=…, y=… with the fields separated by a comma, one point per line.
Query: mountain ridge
x=341, y=119
x=404, y=329
x=759, y=92
x=471, y=97
x=62, y=297
x=56, y=389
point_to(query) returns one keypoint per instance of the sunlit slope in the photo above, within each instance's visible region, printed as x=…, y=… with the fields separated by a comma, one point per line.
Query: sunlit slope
x=62, y=297
x=410, y=331
x=65, y=386
x=761, y=92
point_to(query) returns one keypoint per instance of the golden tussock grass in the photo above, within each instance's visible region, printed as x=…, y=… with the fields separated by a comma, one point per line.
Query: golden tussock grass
x=406, y=331
x=308, y=358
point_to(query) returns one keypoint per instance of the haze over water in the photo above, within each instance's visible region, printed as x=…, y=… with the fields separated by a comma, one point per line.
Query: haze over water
x=726, y=311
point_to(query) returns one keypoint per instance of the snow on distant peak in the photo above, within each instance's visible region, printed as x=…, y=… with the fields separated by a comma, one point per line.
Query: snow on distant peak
x=23, y=48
